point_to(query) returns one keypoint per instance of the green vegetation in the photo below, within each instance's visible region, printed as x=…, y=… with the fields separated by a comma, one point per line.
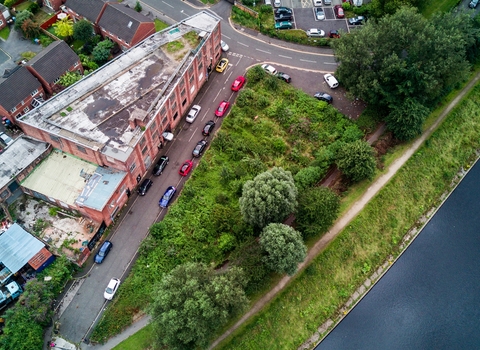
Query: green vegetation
x=159, y=25
x=369, y=239
x=174, y=46
x=429, y=7
x=192, y=38
x=271, y=124
x=24, y=322
x=141, y=340
x=4, y=33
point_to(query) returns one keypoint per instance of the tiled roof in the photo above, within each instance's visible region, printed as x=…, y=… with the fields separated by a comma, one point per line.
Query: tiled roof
x=17, y=87
x=90, y=9
x=122, y=21
x=54, y=61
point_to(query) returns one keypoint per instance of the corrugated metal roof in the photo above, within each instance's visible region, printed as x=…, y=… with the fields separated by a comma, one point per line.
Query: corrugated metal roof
x=18, y=247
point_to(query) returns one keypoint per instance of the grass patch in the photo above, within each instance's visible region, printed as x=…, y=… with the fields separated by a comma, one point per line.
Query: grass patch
x=369, y=239
x=143, y=339
x=174, y=46
x=289, y=131
x=4, y=33
x=429, y=7
x=159, y=25
x=23, y=6
x=76, y=45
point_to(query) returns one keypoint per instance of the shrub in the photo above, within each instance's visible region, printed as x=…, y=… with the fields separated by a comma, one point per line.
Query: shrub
x=308, y=177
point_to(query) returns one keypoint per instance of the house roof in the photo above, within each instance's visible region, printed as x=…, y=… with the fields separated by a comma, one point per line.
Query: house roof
x=18, y=247
x=54, y=61
x=19, y=155
x=89, y=9
x=122, y=21
x=16, y=87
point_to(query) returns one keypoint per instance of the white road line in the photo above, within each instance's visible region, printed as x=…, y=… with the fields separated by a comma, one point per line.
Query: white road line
x=218, y=93
x=264, y=51
x=226, y=36
x=285, y=56
x=308, y=61
x=208, y=110
x=242, y=44
x=335, y=63
x=191, y=137
x=239, y=61
x=228, y=77
x=168, y=4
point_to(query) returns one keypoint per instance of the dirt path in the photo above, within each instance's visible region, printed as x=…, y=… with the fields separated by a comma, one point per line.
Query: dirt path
x=340, y=224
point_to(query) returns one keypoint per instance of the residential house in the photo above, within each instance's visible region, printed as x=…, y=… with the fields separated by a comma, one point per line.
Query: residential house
x=53, y=5
x=89, y=10
x=52, y=62
x=18, y=90
x=5, y=16
x=124, y=25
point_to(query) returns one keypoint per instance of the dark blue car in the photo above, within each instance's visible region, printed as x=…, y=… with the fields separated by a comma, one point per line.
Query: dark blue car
x=167, y=196
x=103, y=252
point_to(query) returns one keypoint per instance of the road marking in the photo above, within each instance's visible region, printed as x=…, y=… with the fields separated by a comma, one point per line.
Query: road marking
x=308, y=61
x=238, y=61
x=285, y=56
x=169, y=5
x=191, y=137
x=228, y=77
x=330, y=63
x=208, y=110
x=242, y=44
x=263, y=51
x=217, y=95
x=226, y=36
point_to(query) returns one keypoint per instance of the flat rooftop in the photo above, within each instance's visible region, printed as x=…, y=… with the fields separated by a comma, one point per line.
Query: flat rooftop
x=74, y=181
x=96, y=110
x=19, y=155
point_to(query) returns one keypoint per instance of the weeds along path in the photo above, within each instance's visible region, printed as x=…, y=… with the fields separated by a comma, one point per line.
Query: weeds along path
x=343, y=221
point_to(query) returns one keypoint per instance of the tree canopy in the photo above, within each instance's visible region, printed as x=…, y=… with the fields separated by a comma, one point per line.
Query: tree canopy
x=406, y=57
x=284, y=248
x=64, y=27
x=192, y=302
x=82, y=30
x=269, y=197
x=101, y=52
x=356, y=160
x=317, y=210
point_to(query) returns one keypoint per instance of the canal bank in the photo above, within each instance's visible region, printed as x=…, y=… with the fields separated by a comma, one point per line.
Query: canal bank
x=428, y=297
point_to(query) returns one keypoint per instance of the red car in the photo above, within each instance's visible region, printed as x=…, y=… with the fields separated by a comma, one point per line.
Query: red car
x=186, y=167
x=338, y=9
x=238, y=83
x=222, y=108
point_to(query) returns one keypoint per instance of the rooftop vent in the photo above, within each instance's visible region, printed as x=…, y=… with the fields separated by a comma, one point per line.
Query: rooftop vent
x=129, y=25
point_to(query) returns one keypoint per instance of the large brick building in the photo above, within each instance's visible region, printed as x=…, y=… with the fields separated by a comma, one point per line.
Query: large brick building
x=114, y=118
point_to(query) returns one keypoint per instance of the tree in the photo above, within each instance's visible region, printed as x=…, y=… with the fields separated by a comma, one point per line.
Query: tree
x=30, y=29
x=21, y=17
x=284, y=248
x=405, y=56
x=406, y=120
x=138, y=6
x=69, y=78
x=269, y=197
x=308, y=177
x=82, y=30
x=101, y=52
x=356, y=160
x=64, y=27
x=192, y=302
x=317, y=210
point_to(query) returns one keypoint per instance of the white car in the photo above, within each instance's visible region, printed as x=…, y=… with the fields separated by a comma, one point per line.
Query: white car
x=331, y=80
x=315, y=32
x=192, y=115
x=224, y=46
x=7, y=140
x=277, y=3
x=269, y=69
x=167, y=136
x=317, y=3
x=111, y=288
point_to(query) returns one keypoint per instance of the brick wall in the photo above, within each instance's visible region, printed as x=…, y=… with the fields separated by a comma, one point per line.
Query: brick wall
x=144, y=31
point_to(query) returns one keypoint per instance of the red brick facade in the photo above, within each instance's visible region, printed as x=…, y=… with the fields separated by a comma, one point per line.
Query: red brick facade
x=52, y=86
x=144, y=31
x=53, y=4
x=23, y=106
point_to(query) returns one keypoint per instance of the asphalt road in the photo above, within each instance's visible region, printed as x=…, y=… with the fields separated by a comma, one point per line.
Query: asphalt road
x=82, y=310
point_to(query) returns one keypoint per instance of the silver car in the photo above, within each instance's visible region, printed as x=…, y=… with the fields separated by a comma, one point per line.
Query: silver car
x=192, y=115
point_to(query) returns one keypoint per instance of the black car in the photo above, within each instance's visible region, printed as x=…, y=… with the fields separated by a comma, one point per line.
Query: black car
x=146, y=184
x=160, y=166
x=199, y=148
x=285, y=77
x=208, y=128
x=284, y=10
x=322, y=96
x=283, y=17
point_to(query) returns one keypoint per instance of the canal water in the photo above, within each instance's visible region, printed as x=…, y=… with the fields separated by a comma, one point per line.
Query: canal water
x=430, y=297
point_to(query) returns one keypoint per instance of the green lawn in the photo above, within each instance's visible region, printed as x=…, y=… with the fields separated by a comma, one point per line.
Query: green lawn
x=139, y=341
x=159, y=25
x=429, y=7
x=4, y=33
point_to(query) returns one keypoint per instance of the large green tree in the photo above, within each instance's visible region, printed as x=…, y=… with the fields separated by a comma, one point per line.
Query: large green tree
x=64, y=27
x=192, y=302
x=269, y=197
x=82, y=30
x=317, y=210
x=284, y=248
x=22, y=16
x=356, y=160
x=405, y=56
x=101, y=52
